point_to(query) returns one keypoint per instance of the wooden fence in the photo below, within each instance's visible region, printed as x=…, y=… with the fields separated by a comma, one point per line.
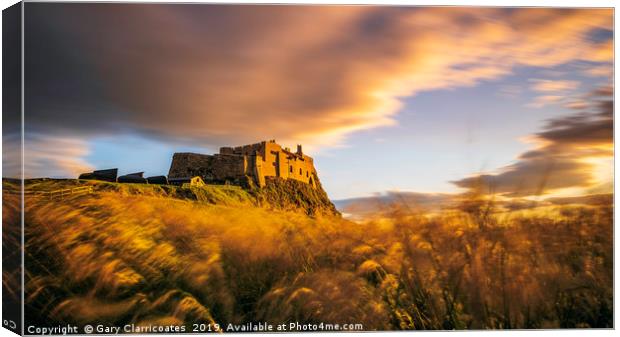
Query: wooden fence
x=56, y=194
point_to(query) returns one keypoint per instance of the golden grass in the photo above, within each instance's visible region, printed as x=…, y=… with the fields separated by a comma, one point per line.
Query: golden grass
x=123, y=257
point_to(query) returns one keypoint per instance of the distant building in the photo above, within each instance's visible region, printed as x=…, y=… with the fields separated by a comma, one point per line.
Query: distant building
x=136, y=178
x=187, y=181
x=111, y=175
x=159, y=180
x=104, y=175
x=238, y=164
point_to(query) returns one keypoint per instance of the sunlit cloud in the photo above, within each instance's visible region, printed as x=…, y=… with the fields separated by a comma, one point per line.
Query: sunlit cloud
x=554, y=91
x=602, y=52
x=604, y=70
x=576, y=105
x=541, y=101
x=553, y=85
x=221, y=74
x=573, y=153
x=55, y=157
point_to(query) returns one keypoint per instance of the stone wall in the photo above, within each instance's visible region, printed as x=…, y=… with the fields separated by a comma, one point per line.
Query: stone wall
x=229, y=167
x=186, y=165
x=300, y=168
x=211, y=168
x=257, y=161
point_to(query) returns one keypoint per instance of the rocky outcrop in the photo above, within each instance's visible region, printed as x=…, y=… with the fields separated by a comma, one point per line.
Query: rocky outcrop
x=293, y=195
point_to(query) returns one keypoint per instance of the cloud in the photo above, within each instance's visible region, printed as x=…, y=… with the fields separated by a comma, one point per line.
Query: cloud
x=602, y=52
x=541, y=101
x=11, y=155
x=604, y=70
x=224, y=74
x=44, y=156
x=54, y=157
x=567, y=151
x=576, y=105
x=555, y=91
x=368, y=207
x=553, y=85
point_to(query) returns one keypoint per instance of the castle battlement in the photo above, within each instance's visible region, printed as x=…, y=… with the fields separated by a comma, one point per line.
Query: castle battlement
x=235, y=164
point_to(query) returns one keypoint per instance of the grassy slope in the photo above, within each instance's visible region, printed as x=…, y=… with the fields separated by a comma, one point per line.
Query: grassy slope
x=212, y=194
x=162, y=249
x=287, y=195
x=143, y=255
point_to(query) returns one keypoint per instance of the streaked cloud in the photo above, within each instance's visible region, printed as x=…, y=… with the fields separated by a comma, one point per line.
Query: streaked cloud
x=380, y=204
x=569, y=150
x=541, y=101
x=11, y=155
x=221, y=74
x=602, y=70
x=553, y=85
x=553, y=91
x=602, y=52
x=54, y=156
x=576, y=105
x=44, y=156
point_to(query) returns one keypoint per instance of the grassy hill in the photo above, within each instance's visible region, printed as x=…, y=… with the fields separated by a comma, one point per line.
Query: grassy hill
x=288, y=195
x=140, y=254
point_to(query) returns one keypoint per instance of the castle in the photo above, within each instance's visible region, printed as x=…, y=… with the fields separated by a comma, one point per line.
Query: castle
x=257, y=162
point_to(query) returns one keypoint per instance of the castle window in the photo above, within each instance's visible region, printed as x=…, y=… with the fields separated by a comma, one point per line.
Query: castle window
x=300, y=172
x=307, y=174
x=290, y=169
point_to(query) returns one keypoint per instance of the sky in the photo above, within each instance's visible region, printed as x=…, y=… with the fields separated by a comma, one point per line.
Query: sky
x=419, y=99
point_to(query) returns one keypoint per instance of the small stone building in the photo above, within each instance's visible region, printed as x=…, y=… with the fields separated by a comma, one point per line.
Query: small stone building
x=103, y=175
x=238, y=164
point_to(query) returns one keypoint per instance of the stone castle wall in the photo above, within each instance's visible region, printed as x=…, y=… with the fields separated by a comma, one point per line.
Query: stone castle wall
x=257, y=161
x=211, y=168
x=189, y=165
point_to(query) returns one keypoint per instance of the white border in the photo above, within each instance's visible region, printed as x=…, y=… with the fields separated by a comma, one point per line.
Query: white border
x=491, y=3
